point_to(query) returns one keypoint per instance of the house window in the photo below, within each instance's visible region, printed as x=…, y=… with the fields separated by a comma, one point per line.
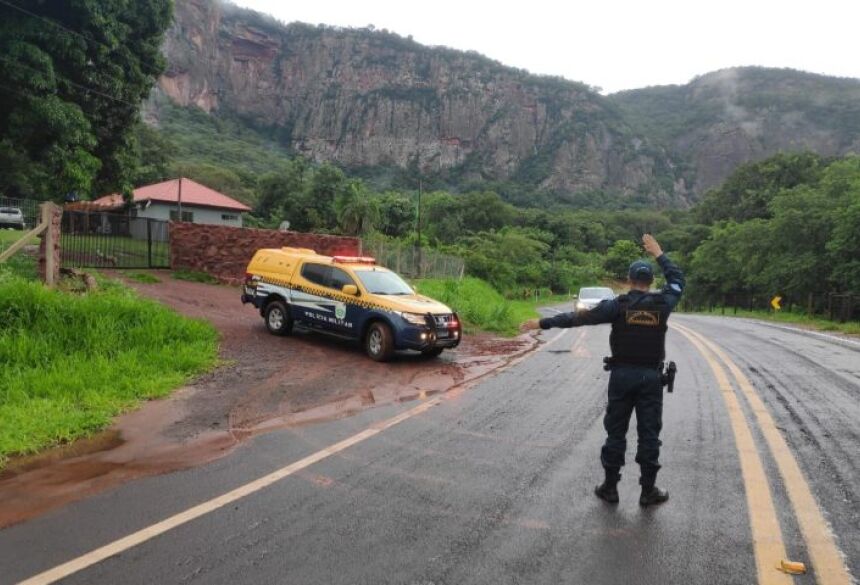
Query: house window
x=229, y=217
x=186, y=216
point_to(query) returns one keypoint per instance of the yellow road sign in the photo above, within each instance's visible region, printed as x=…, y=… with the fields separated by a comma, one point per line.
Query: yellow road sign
x=774, y=302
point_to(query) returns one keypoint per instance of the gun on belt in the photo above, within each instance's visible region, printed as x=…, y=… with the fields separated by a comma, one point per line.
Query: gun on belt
x=667, y=377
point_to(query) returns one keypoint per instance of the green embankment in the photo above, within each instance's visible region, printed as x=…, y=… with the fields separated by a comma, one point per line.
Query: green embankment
x=69, y=363
x=481, y=306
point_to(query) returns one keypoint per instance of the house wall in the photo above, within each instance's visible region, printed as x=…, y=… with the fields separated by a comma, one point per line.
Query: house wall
x=224, y=252
x=202, y=215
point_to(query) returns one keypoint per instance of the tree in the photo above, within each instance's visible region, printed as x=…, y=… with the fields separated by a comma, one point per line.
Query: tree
x=483, y=211
x=281, y=193
x=619, y=257
x=356, y=210
x=396, y=214
x=77, y=72
x=154, y=151
x=327, y=183
x=748, y=191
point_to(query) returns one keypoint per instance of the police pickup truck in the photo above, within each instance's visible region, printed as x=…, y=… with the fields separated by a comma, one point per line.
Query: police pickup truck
x=350, y=297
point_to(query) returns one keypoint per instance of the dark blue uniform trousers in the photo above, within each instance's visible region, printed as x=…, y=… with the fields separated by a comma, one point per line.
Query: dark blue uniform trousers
x=640, y=389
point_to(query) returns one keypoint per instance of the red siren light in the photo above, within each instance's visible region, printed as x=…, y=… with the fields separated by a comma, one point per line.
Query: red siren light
x=354, y=259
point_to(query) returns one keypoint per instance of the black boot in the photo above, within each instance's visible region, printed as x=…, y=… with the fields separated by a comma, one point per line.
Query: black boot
x=652, y=495
x=608, y=490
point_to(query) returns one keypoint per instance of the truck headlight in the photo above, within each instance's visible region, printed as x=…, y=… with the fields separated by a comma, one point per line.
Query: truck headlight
x=414, y=318
x=580, y=306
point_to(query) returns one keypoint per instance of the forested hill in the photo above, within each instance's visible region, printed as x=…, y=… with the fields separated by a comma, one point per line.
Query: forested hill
x=391, y=110
x=720, y=120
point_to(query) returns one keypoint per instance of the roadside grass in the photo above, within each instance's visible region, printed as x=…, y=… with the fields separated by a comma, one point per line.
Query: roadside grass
x=9, y=237
x=801, y=319
x=69, y=362
x=480, y=306
x=194, y=276
x=143, y=277
x=20, y=264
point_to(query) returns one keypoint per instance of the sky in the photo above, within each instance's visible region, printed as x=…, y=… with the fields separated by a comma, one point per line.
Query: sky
x=613, y=44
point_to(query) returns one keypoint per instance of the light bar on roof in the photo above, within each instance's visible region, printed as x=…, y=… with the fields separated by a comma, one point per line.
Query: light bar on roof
x=354, y=259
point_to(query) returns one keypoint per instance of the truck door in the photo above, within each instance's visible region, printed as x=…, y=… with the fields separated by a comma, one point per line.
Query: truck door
x=313, y=309
x=346, y=314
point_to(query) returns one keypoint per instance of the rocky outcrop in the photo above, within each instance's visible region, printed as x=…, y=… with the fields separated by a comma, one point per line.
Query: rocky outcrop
x=725, y=118
x=365, y=98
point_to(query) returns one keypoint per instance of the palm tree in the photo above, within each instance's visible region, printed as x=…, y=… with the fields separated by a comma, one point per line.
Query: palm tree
x=356, y=210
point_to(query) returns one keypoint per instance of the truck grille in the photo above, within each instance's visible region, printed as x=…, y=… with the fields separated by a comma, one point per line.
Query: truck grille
x=443, y=320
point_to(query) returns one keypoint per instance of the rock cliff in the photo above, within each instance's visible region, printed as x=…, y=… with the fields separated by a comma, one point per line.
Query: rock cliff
x=368, y=99
x=365, y=98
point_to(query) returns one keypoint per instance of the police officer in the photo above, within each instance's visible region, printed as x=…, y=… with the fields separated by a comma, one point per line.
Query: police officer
x=637, y=341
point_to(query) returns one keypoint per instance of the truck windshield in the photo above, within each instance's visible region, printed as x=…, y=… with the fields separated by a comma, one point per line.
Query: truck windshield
x=379, y=282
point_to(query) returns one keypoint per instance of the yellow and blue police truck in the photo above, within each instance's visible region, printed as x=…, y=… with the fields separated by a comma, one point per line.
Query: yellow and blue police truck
x=350, y=297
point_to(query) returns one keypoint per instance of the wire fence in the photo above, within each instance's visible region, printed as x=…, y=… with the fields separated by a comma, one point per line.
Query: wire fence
x=414, y=262
x=17, y=216
x=834, y=306
x=112, y=240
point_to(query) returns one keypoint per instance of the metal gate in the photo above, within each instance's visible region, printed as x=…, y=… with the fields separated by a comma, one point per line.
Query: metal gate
x=113, y=240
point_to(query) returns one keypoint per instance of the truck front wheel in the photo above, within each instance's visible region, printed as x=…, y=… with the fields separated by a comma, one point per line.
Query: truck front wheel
x=379, y=342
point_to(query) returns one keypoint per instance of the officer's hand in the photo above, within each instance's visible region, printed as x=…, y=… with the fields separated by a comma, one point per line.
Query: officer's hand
x=651, y=245
x=530, y=325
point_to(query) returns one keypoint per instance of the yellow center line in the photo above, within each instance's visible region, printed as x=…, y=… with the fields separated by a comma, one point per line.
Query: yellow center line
x=827, y=559
x=768, y=546
x=141, y=536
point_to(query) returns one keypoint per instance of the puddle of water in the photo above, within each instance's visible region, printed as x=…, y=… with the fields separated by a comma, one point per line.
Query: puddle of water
x=141, y=444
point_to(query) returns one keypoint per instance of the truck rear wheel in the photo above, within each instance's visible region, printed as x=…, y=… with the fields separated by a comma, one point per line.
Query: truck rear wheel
x=278, y=320
x=379, y=342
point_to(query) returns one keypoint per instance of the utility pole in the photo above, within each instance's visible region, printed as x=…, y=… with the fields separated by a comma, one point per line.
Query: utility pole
x=180, y=199
x=419, y=228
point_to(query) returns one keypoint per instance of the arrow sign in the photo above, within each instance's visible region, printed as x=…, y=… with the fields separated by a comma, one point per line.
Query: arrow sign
x=774, y=302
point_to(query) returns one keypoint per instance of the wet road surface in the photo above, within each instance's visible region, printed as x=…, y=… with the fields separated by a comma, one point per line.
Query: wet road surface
x=492, y=484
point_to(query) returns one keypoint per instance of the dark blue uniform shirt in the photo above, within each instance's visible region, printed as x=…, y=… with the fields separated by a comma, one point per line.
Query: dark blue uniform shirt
x=607, y=311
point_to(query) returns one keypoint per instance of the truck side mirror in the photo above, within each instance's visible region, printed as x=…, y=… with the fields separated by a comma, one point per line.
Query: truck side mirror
x=350, y=289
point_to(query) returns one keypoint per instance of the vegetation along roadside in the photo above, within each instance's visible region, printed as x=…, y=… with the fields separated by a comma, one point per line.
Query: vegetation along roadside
x=69, y=362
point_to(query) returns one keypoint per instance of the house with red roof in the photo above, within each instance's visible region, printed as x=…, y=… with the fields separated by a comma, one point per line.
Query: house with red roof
x=167, y=200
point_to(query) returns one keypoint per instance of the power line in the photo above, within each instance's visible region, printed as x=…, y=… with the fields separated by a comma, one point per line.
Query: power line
x=70, y=82
x=70, y=31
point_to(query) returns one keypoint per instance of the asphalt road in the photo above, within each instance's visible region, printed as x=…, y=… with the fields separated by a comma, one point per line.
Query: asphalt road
x=493, y=484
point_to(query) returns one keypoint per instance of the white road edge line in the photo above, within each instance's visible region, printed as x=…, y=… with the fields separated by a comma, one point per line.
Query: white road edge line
x=96, y=556
x=111, y=549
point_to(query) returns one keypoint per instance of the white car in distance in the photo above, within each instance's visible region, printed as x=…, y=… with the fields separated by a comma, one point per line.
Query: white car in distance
x=590, y=296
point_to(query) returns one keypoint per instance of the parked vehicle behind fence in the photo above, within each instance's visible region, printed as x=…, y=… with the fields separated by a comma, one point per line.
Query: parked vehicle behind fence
x=12, y=217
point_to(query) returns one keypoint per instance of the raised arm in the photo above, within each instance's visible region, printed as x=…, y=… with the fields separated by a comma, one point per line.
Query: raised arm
x=674, y=276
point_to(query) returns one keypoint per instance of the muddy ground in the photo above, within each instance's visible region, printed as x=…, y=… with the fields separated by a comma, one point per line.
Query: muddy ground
x=264, y=383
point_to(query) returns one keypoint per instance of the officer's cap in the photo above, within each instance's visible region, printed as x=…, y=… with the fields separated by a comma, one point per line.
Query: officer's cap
x=641, y=271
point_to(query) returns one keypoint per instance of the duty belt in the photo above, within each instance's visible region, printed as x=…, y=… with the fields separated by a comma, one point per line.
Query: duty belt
x=611, y=362
x=667, y=376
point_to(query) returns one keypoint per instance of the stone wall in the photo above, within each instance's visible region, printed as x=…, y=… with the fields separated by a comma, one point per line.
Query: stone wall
x=224, y=252
x=52, y=233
